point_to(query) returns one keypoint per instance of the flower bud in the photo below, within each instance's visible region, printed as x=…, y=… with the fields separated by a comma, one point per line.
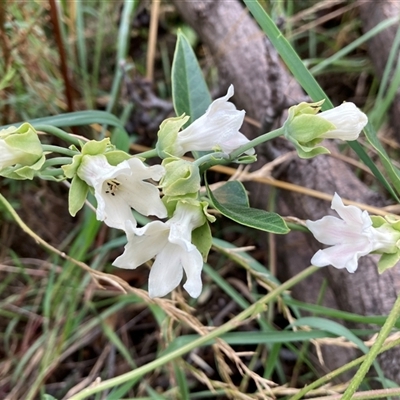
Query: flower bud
x=305, y=128
x=21, y=152
x=181, y=177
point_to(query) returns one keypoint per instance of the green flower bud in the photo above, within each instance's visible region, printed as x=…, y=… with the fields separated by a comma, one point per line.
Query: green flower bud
x=305, y=128
x=167, y=136
x=181, y=177
x=21, y=153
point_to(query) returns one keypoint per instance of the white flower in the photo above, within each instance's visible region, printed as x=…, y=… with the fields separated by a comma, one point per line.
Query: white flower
x=119, y=188
x=10, y=155
x=170, y=243
x=218, y=128
x=348, y=120
x=351, y=237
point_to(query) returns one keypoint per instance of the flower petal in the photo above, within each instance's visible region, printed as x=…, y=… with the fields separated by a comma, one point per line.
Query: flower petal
x=166, y=272
x=143, y=244
x=331, y=230
x=218, y=127
x=351, y=214
x=113, y=210
x=142, y=196
x=192, y=263
x=348, y=119
x=341, y=256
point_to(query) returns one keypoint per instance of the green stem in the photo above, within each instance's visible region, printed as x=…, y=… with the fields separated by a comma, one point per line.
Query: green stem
x=58, y=133
x=148, y=154
x=255, y=142
x=52, y=172
x=228, y=326
x=212, y=159
x=57, y=149
x=374, y=351
x=57, y=161
x=331, y=375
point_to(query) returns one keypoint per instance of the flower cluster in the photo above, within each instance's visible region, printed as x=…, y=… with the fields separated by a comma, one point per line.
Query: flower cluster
x=122, y=184
x=177, y=235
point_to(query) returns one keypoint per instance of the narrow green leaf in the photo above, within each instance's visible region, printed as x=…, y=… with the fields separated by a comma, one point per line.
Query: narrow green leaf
x=244, y=215
x=251, y=338
x=331, y=327
x=305, y=78
x=120, y=139
x=76, y=118
x=189, y=90
x=338, y=330
x=391, y=170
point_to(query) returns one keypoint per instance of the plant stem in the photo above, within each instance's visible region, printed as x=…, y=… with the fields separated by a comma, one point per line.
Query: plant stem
x=52, y=172
x=148, y=154
x=250, y=312
x=374, y=351
x=56, y=161
x=255, y=142
x=333, y=374
x=212, y=159
x=58, y=149
x=58, y=133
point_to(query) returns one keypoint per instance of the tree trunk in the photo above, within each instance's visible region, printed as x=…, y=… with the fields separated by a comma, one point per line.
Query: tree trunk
x=264, y=88
x=380, y=45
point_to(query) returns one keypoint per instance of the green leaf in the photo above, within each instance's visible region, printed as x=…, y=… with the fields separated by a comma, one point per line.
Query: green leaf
x=189, y=90
x=234, y=192
x=202, y=239
x=388, y=261
x=77, y=195
x=77, y=118
x=338, y=330
x=391, y=170
x=232, y=204
x=120, y=139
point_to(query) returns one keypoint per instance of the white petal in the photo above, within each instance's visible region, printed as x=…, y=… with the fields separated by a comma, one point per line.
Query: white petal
x=10, y=156
x=141, y=171
x=144, y=197
x=331, y=230
x=192, y=263
x=218, y=127
x=341, y=256
x=348, y=119
x=351, y=214
x=143, y=244
x=113, y=210
x=166, y=272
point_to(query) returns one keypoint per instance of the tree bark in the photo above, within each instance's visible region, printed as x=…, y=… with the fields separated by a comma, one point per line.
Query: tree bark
x=264, y=88
x=380, y=45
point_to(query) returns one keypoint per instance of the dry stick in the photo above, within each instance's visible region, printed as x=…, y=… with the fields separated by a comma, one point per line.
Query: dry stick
x=250, y=312
x=61, y=51
x=151, y=47
x=96, y=275
x=5, y=46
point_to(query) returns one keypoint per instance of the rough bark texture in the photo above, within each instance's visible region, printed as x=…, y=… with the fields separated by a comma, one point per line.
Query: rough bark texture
x=264, y=88
x=380, y=45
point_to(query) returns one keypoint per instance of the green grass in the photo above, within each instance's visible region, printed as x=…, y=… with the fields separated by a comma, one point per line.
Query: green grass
x=63, y=327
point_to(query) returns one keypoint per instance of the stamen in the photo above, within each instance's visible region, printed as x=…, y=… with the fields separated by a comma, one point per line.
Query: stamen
x=113, y=186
